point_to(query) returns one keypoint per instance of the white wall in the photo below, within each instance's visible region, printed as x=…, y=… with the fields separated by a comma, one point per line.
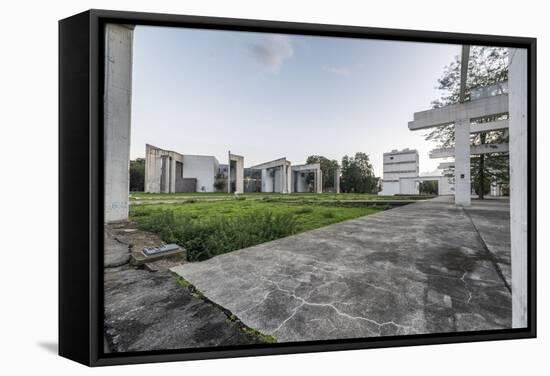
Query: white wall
x=518, y=187
x=117, y=113
x=389, y=188
x=203, y=168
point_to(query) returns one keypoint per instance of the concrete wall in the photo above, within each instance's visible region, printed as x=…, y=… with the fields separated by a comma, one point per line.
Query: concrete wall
x=203, y=168
x=518, y=183
x=389, y=188
x=117, y=119
x=237, y=174
x=399, y=164
x=408, y=186
x=298, y=183
x=157, y=181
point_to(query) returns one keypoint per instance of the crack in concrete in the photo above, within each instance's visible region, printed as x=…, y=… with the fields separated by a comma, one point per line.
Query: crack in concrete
x=330, y=305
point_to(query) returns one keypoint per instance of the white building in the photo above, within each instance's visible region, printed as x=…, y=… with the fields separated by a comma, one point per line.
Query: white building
x=167, y=171
x=402, y=177
x=398, y=164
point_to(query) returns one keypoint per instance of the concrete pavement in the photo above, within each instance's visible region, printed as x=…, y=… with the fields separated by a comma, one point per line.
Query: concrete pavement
x=428, y=267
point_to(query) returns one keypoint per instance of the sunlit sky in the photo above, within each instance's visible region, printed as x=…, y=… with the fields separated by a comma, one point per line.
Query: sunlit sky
x=266, y=96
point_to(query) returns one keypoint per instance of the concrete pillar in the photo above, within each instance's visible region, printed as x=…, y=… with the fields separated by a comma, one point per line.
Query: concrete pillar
x=117, y=119
x=172, y=175
x=265, y=181
x=289, y=179
x=165, y=175
x=319, y=180
x=517, y=97
x=337, y=180
x=462, y=163
x=283, y=179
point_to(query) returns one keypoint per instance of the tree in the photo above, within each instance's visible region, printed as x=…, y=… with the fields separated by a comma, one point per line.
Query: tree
x=486, y=66
x=358, y=175
x=137, y=175
x=429, y=187
x=328, y=168
x=220, y=182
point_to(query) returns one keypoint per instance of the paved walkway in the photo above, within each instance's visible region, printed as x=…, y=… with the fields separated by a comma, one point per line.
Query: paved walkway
x=420, y=268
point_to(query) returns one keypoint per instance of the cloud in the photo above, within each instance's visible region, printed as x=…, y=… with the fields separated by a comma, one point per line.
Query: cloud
x=272, y=52
x=339, y=71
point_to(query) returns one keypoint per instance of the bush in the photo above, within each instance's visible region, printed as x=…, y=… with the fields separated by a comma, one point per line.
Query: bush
x=303, y=211
x=217, y=235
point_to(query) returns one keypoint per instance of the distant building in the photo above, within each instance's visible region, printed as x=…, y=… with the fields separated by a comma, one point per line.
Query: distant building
x=398, y=164
x=401, y=175
x=167, y=171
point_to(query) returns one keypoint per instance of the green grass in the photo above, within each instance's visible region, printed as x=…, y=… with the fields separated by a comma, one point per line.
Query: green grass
x=210, y=228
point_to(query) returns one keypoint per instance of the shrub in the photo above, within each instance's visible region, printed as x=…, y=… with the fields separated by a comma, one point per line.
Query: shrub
x=207, y=238
x=328, y=214
x=303, y=211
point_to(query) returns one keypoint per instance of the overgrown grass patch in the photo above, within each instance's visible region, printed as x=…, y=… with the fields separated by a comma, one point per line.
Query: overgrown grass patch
x=207, y=229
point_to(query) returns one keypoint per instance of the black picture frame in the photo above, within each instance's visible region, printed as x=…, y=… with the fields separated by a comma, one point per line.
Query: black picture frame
x=81, y=185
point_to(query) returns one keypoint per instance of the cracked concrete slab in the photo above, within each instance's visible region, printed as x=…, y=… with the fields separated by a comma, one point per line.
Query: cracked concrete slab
x=147, y=311
x=420, y=268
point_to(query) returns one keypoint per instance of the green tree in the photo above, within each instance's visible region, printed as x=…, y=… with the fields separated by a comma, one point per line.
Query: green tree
x=486, y=66
x=429, y=187
x=137, y=175
x=328, y=168
x=358, y=175
x=220, y=182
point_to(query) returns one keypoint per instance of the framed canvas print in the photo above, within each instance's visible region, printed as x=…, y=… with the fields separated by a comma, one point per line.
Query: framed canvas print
x=236, y=187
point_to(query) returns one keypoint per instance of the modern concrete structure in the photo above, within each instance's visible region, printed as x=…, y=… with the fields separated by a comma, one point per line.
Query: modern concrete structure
x=507, y=102
x=235, y=173
x=276, y=175
x=167, y=171
x=465, y=118
x=517, y=74
x=300, y=175
x=410, y=185
x=117, y=115
x=398, y=164
x=160, y=170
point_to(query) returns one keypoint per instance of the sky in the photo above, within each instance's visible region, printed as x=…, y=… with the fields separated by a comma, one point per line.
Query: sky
x=267, y=96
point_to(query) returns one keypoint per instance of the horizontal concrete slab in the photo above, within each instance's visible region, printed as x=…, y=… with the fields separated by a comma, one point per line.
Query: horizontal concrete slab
x=496, y=125
x=420, y=268
x=436, y=117
x=474, y=150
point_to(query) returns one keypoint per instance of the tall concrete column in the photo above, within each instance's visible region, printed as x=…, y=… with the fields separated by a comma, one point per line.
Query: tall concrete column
x=462, y=163
x=283, y=179
x=517, y=97
x=117, y=119
x=172, y=175
x=288, y=179
x=337, y=180
x=319, y=180
x=165, y=175
x=264, y=180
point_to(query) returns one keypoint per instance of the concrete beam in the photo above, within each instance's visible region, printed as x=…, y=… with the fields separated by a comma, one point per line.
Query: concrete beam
x=488, y=106
x=474, y=150
x=518, y=179
x=496, y=125
x=117, y=119
x=271, y=164
x=445, y=165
